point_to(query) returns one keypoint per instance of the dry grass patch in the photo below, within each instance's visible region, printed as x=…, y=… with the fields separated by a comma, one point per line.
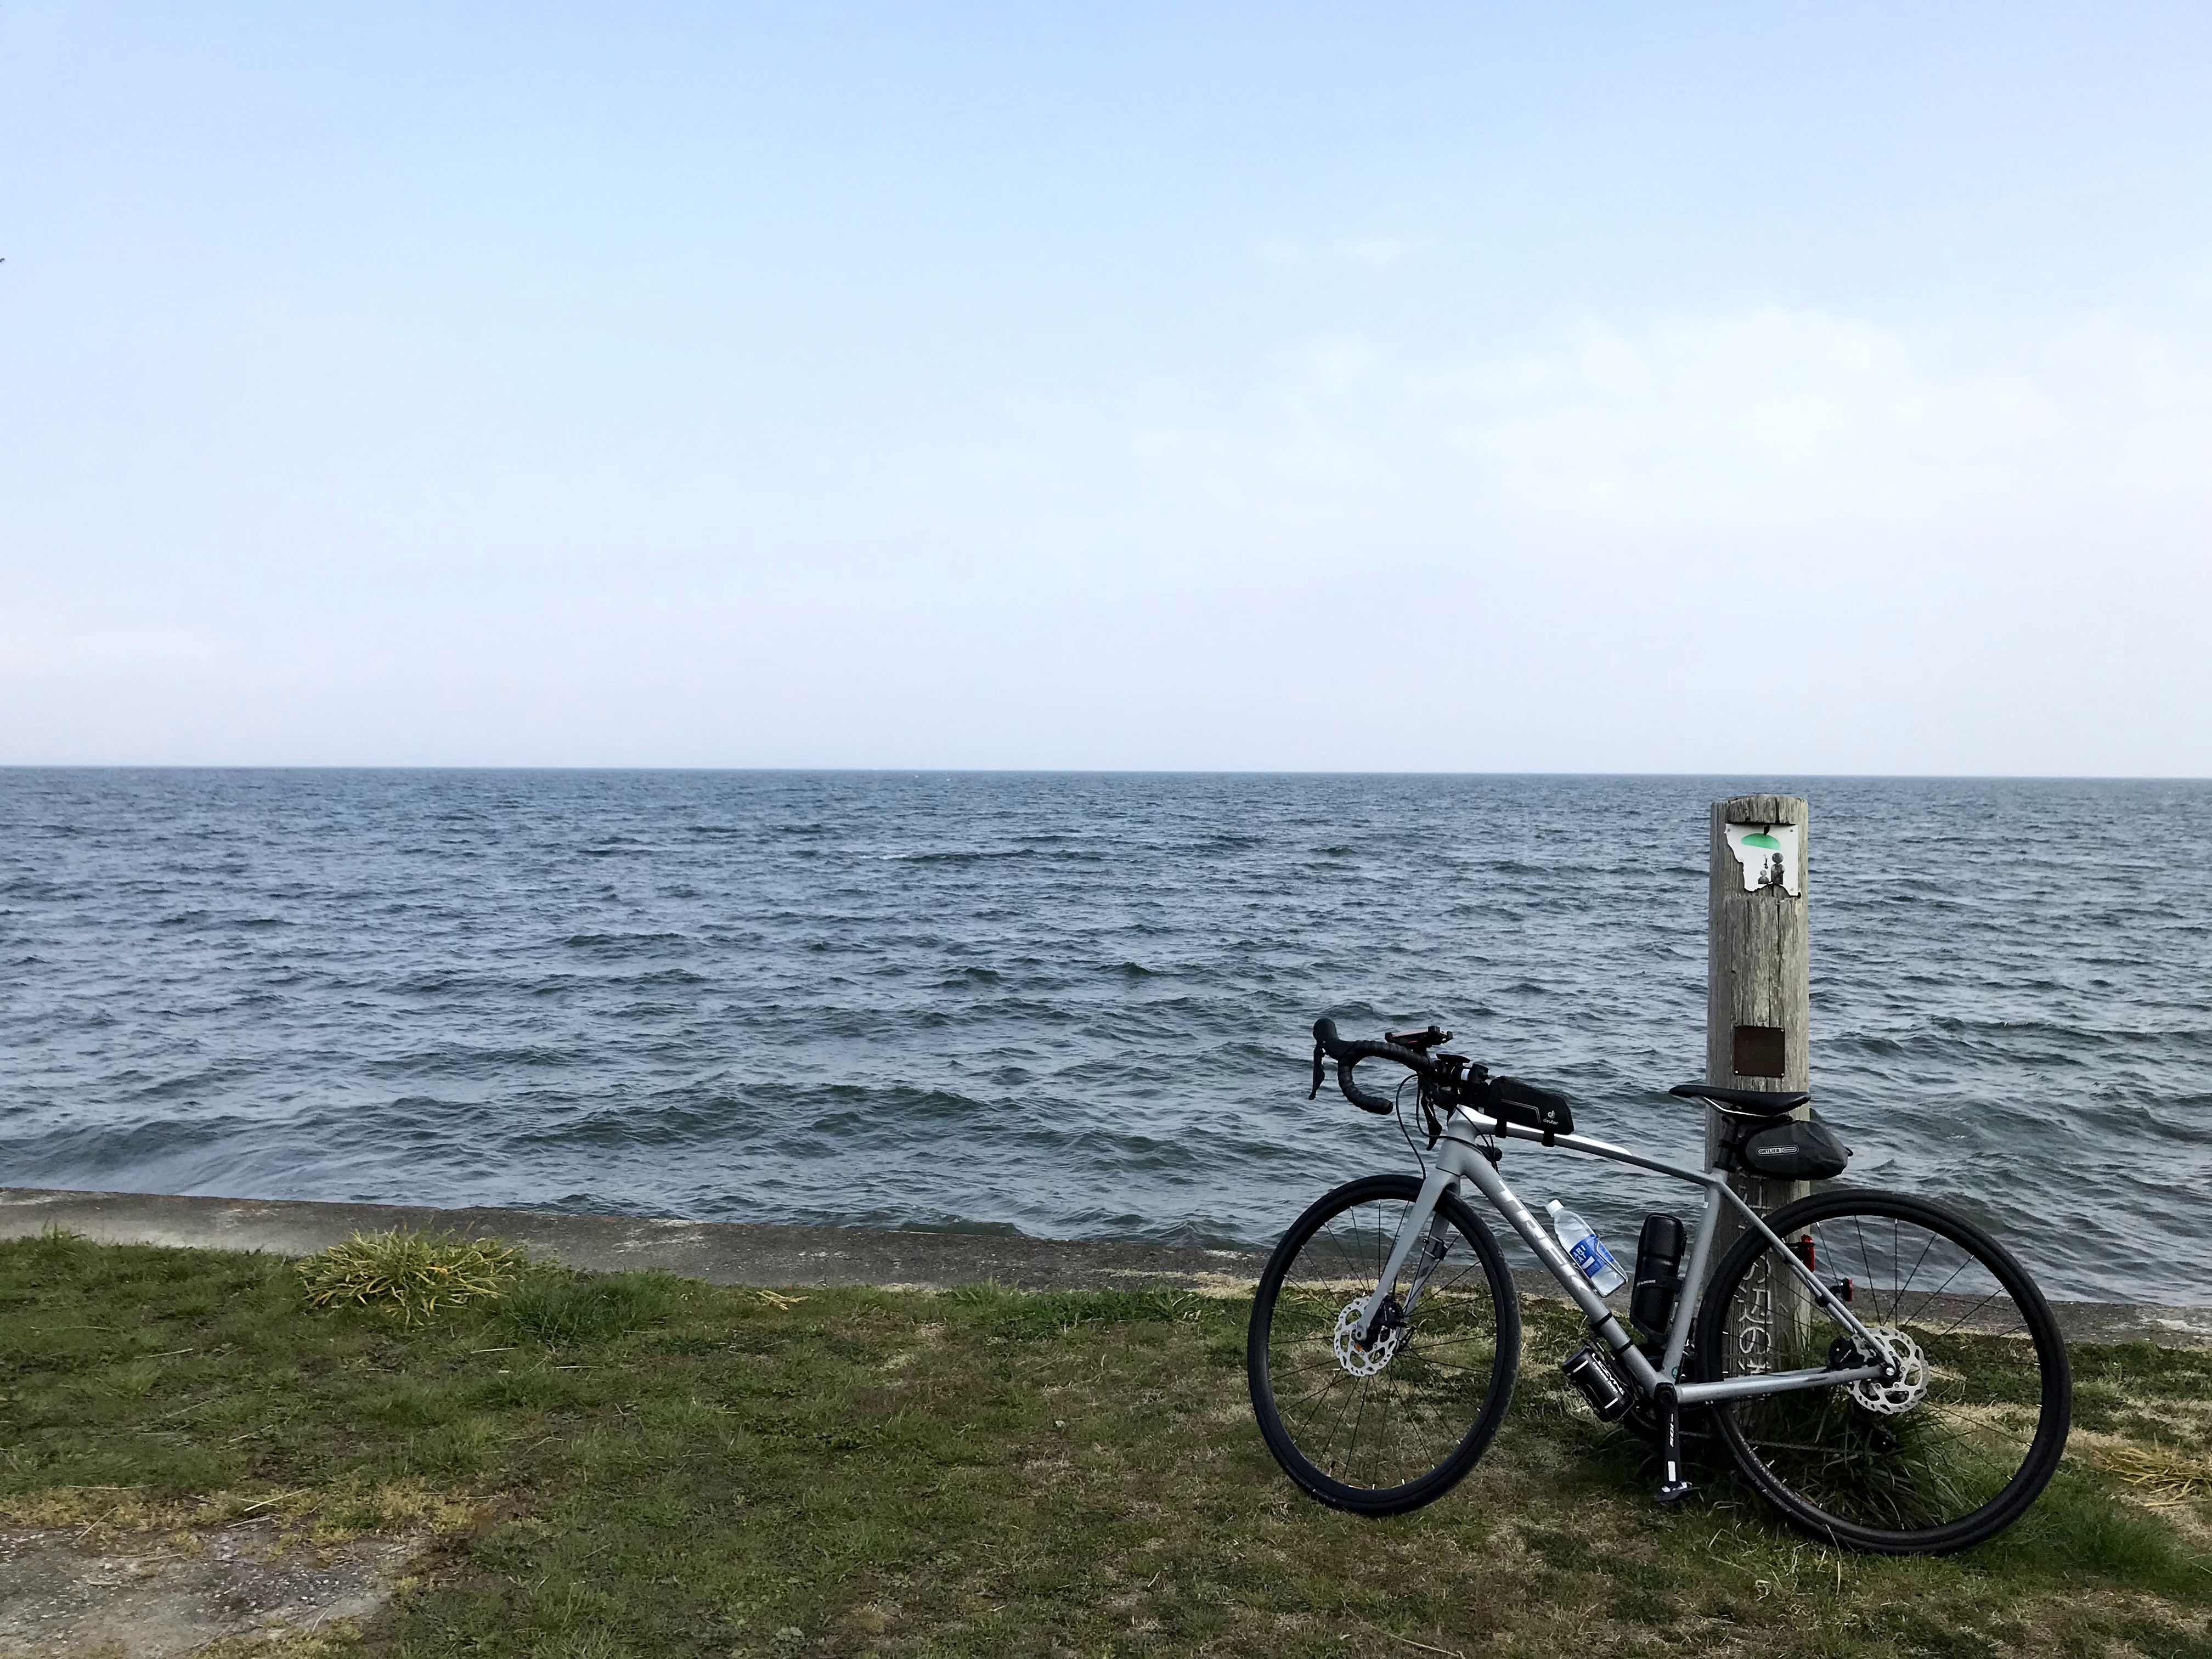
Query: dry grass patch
x=2162, y=1476
x=412, y=1276
x=106, y=1517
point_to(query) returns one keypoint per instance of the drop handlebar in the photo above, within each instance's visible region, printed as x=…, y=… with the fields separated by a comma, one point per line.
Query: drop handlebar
x=1349, y=1055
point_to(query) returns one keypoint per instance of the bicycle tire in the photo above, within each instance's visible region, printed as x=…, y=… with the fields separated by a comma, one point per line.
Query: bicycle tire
x=1315, y=1268
x=1880, y=1471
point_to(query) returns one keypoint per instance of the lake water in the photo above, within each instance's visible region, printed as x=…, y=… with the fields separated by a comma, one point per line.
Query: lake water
x=1073, y=1004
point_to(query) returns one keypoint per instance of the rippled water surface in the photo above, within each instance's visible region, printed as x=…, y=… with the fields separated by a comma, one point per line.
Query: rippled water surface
x=1071, y=1005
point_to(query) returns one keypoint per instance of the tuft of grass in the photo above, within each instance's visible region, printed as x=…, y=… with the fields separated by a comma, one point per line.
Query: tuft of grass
x=411, y=1276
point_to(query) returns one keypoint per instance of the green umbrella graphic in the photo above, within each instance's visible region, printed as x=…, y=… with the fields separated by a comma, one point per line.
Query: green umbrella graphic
x=1760, y=838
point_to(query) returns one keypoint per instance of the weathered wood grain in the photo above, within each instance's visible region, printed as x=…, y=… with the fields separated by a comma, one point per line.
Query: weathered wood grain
x=1757, y=970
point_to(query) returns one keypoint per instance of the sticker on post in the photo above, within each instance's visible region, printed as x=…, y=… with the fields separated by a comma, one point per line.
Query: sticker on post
x=1768, y=854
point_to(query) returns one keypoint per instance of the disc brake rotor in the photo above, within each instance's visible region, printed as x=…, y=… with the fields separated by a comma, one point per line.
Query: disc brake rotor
x=1908, y=1388
x=1355, y=1358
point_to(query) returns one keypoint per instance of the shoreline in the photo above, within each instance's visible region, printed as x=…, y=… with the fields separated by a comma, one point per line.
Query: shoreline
x=775, y=1256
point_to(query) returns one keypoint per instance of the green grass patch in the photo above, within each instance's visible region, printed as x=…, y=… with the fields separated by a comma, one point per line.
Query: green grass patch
x=557, y=1308
x=1035, y=1314
x=634, y=1465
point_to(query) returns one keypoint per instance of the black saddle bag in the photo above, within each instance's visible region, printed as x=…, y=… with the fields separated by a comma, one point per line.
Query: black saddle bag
x=1794, y=1151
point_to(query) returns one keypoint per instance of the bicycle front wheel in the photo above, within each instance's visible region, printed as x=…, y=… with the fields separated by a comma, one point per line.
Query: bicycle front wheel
x=1382, y=1428
x=1954, y=1451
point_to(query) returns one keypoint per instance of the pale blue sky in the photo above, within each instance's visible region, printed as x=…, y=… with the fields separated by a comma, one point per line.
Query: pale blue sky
x=1605, y=388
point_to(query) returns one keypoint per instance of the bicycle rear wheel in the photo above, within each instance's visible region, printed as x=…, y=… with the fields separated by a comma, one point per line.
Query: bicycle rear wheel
x=1383, y=1429
x=1954, y=1451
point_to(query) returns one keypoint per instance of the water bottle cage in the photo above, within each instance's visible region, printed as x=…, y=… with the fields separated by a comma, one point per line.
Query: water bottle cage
x=1658, y=1283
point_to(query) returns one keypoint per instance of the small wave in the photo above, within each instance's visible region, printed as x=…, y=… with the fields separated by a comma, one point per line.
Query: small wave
x=37, y=891
x=969, y=976
x=975, y=855
x=958, y=1225
x=1864, y=1046
x=476, y=1062
x=188, y=1085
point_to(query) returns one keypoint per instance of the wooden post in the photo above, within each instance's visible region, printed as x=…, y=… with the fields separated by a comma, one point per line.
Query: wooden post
x=1759, y=992
x=1759, y=963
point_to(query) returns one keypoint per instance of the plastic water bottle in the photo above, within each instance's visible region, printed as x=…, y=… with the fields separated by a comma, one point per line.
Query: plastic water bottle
x=1586, y=1249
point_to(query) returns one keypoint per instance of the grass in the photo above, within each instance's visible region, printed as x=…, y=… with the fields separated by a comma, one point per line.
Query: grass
x=2164, y=1476
x=636, y=1466
x=412, y=1276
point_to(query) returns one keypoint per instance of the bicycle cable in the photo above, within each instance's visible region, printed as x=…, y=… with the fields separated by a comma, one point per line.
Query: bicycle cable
x=1398, y=1109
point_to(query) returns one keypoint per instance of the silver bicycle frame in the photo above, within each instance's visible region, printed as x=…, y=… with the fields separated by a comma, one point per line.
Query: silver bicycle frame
x=1462, y=1160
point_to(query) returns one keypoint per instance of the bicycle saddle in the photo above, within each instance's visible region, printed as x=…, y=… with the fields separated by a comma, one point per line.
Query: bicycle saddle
x=1766, y=1102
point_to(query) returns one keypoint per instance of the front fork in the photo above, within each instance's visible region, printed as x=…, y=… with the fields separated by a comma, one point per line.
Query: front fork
x=1421, y=1225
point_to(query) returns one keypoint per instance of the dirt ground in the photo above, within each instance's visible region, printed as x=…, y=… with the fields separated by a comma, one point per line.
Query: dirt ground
x=159, y=1596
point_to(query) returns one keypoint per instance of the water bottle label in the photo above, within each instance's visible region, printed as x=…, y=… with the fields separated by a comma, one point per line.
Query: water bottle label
x=1588, y=1252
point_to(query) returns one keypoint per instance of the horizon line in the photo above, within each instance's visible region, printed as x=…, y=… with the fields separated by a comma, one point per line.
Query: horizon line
x=1077, y=771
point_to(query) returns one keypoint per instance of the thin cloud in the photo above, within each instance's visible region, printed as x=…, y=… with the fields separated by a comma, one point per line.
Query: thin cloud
x=1764, y=421
x=31, y=653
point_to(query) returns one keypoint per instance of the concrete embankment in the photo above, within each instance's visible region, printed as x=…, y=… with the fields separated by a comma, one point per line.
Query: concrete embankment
x=720, y=1252
x=755, y=1253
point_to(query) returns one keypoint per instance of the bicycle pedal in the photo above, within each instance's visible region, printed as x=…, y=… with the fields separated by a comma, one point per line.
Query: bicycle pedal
x=1673, y=1492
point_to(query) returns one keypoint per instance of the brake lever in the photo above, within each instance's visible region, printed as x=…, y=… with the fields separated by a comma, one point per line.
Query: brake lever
x=1315, y=1093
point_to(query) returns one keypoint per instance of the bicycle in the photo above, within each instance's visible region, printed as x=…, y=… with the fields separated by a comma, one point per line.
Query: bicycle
x=1882, y=1371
